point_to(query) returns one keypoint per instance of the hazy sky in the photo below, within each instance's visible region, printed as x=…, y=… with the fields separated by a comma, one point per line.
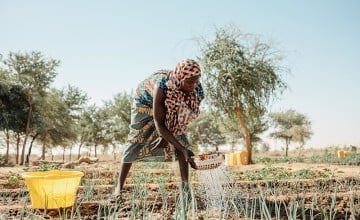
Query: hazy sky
x=106, y=47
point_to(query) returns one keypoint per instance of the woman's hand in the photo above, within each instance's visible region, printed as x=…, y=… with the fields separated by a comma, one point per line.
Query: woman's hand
x=187, y=155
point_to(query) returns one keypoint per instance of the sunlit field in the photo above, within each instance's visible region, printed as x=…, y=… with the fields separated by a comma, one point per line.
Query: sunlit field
x=316, y=186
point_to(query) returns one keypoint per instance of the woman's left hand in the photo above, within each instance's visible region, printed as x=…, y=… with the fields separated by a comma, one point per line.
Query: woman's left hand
x=159, y=143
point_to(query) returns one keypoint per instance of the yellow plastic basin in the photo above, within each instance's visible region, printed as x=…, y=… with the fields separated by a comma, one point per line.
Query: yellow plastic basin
x=237, y=158
x=342, y=153
x=52, y=189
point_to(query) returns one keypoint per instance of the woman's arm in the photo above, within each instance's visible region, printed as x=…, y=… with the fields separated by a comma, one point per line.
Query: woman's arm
x=159, y=118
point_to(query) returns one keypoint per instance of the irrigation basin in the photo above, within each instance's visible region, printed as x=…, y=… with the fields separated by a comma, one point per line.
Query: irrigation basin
x=52, y=189
x=208, y=161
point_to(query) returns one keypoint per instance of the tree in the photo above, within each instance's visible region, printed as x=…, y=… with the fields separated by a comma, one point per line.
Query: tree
x=291, y=126
x=205, y=130
x=56, y=117
x=241, y=76
x=96, y=121
x=75, y=101
x=230, y=127
x=119, y=119
x=84, y=127
x=34, y=74
x=12, y=115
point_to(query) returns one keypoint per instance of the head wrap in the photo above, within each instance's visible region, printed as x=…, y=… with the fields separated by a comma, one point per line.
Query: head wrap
x=181, y=108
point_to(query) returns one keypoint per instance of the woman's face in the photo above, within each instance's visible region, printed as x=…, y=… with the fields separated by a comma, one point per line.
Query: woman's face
x=189, y=84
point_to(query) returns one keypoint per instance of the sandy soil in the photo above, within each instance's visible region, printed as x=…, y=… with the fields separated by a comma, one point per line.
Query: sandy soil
x=337, y=170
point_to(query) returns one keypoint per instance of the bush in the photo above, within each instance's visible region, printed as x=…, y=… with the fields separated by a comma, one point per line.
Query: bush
x=2, y=160
x=47, y=166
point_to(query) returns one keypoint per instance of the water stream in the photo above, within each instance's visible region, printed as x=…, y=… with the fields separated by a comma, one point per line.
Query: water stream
x=215, y=186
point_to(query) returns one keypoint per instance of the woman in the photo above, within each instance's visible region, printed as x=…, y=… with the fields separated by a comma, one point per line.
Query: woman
x=164, y=104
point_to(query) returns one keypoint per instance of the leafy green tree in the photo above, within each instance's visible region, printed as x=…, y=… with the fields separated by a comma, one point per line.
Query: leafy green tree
x=97, y=120
x=57, y=117
x=34, y=74
x=119, y=109
x=12, y=115
x=84, y=127
x=231, y=128
x=205, y=130
x=75, y=101
x=242, y=75
x=291, y=126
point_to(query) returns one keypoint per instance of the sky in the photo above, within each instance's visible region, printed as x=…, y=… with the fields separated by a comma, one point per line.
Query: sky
x=108, y=47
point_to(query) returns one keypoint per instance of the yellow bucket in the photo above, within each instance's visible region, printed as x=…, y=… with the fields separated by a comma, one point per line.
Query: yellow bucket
x=342, y=153
x=52, y=189
x=237, y=158
x=244, y=158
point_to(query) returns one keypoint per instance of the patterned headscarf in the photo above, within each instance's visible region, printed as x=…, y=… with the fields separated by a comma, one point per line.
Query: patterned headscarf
x=181, y=108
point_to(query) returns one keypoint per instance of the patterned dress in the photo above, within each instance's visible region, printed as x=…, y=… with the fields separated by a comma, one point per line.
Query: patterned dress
x=143, y=134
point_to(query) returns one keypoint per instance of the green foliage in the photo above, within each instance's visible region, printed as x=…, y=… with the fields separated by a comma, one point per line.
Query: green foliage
x=274, y=160
x=351, y=159
x=119, y=111
x=291, y=126
x=245, y=70
x=35, y=72
x=145, y=178
x=14, y=179
x=13, y=108
x=32, y=74
x=205, y=130
x=281, y=173
x=241, y=74
x=150, y=165
x=327, y=157
x=2, y=160
x=47, y=166
x=304, y=174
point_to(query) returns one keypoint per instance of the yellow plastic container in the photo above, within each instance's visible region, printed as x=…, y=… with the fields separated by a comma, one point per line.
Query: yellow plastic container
x=237, y=158
x=342, y=153
x=244, y=158
x=52, y=189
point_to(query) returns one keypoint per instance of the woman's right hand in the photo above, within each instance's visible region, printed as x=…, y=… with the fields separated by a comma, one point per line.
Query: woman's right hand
x=187, y=155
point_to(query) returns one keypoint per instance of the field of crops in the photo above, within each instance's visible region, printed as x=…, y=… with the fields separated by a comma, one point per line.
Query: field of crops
x=281, y=190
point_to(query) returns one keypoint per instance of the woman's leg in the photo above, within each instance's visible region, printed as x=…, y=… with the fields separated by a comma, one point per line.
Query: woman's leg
x=124, y=170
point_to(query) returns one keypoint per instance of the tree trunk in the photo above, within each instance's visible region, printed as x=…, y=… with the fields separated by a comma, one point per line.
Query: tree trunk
x=245, y=132
x=114, y=153
x=301, y=148
x=95, y=147
x=80, y=145
x=70, y=152
x=17, y=148
x=52, y=155
x=287, y=141
x=29, y=151
x=63, y=156
x=7, y=135
x=27, y=131
x=43, y=149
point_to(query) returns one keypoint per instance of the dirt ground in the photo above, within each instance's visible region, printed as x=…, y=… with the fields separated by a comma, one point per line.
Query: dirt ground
x=103, y=171
x=337, y=170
